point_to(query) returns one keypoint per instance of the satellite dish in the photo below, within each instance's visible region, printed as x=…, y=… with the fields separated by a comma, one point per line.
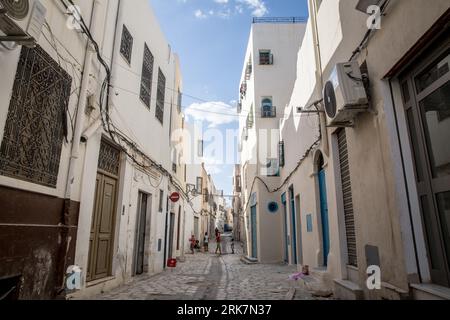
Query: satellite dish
x=329, y=98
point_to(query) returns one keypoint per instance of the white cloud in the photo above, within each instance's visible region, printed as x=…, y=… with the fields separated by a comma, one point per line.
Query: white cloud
x=258, y=7
x=221, y=1
x=199, y=14
x=213, y=113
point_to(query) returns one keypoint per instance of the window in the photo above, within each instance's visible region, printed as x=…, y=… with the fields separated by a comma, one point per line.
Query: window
x=205, y=195
x=272, y=168
x=36, y=121
x=126, y=45
x=238, y=184
x=161, y=200
x=146, y=78
x=281, y=154
x=160, y=97
x=199, y=186
x=175, y=161
x=200, y=148
x=265, y=57
x=267, y=109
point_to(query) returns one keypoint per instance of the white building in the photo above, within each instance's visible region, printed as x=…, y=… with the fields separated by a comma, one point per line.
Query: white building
x=97, y=176
x=142, y=228
x=42, y=100
x=266, y=85
x=357, y=192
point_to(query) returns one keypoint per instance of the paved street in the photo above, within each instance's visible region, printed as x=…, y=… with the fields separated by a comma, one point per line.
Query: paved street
x=209, y=277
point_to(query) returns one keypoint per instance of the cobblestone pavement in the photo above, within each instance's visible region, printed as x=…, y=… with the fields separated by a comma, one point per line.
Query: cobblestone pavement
x=209, y=277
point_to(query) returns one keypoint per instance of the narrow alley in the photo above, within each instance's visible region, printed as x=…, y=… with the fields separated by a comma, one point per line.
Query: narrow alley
x=210, y=277
x=309, y=138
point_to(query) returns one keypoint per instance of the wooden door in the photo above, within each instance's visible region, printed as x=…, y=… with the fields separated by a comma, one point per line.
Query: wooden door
x=324, y=216
x=254, y=233
x=103, y=217
x=141, y=228
x=102, y=228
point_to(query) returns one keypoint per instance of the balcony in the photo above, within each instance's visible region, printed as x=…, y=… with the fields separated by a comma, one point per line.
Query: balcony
x=280, y=20
x=239, y=107
x=269, y=112
x=248, y=71
x=243, y=90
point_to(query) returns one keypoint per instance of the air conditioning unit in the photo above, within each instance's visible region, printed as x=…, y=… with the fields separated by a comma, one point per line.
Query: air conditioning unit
x=22, y=18
x=344, y=94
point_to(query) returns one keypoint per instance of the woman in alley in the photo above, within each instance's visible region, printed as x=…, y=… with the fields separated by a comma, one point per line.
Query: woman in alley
x=218, y=243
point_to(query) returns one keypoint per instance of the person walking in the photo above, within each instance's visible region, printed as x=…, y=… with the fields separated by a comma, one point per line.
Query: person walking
x=218, y=243
x=192, y=241
x=206, y=242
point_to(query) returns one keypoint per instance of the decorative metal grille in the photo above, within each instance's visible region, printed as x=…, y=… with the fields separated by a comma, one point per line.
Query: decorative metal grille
x=109, y=158
x=146, y=78
x=126, y=45
x=160, y=97
x=36, y=122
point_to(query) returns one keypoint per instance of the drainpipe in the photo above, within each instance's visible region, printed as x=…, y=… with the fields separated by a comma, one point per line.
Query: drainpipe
x=319, y=73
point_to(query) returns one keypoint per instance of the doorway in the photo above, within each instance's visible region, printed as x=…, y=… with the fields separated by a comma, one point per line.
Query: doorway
x=323, y=210
x=196, y=227
x=171, y=234
x=141, y=233
x=254, y=233
x=426, y=97
x=103, y=218
x=285, y=228
x=293, y=226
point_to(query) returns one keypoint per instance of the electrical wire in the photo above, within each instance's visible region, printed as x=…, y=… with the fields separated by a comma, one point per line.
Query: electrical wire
x=297, y=167
x=369, y=32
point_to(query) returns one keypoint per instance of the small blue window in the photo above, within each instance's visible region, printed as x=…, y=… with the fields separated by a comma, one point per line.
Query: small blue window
x=309, y=225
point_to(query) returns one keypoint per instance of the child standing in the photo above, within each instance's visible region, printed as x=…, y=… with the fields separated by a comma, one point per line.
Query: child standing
x=206, y=242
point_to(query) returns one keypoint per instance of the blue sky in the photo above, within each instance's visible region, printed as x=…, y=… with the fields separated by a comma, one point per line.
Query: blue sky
x=210, y=36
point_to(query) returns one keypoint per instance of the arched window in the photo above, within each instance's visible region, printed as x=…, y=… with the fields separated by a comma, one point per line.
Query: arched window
x=267, y=108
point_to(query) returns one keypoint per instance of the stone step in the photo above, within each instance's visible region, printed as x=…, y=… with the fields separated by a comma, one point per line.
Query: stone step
x=316, y=286
x=248, y=260
x=348, y=290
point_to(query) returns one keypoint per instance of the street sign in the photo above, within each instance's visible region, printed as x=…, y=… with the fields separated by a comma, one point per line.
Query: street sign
x=174, y=197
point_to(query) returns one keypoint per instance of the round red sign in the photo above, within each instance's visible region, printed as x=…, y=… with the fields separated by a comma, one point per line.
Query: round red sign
x=174, y=197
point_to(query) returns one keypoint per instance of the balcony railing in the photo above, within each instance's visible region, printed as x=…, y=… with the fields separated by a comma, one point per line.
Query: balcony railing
x=272, y=113
x=280, y=20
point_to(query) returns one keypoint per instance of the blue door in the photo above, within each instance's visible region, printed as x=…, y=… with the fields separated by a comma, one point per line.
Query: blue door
x=294, y=226
x=285, y=230
x=254, y=234
x=324, y=216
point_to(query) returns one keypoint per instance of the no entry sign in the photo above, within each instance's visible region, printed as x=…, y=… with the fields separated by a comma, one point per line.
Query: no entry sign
x=174, y=197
